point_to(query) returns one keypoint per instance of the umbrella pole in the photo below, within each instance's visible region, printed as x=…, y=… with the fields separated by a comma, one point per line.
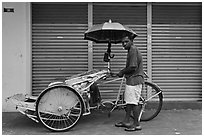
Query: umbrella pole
x=109, y=54
x=108, y=65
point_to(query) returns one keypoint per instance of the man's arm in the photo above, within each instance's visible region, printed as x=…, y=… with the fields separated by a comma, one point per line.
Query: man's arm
x=132, y=65
x=126, y=71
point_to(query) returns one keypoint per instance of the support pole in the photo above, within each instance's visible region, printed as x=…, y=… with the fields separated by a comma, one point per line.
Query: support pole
x=149, y=45
x=149, y=40
x=90, y=43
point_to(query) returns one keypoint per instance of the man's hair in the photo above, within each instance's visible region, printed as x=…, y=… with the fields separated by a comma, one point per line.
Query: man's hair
x=129, y=37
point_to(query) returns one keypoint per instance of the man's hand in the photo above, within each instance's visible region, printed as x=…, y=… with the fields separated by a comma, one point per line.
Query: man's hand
x=126, y=71
x=120, y=74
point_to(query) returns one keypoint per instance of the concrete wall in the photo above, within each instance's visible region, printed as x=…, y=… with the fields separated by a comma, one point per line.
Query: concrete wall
x=16, y=51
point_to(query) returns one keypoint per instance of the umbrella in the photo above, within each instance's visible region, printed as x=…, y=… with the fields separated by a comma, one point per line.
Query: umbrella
x=108, y=32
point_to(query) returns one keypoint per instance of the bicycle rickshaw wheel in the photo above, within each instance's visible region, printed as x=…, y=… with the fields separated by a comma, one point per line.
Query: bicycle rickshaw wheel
x=59, y=108
x=154, y=100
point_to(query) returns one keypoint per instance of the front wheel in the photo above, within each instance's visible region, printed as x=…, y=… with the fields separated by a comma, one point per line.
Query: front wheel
x=59, y=108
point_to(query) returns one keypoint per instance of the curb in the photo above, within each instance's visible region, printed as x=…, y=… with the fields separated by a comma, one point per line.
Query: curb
x=169, y=105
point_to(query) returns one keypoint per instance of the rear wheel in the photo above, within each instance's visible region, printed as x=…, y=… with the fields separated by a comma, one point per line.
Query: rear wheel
x=153, y=101
x=59, y=108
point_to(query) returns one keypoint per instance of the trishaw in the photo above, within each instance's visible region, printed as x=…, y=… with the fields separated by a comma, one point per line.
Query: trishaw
x=60, y=106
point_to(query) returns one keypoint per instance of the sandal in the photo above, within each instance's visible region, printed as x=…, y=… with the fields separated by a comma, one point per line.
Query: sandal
x=133, y=128
x=121, y=124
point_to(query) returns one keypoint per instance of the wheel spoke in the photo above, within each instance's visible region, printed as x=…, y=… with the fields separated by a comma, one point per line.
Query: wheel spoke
x=53, y=121
x=64, y=121
x=59, y=122
x=70, y=118
x=48, y=121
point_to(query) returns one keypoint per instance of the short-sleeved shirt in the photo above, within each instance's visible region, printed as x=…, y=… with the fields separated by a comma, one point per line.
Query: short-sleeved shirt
x=134, y=59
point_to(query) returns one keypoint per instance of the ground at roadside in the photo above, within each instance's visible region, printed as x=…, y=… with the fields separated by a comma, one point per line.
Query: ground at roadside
x=168, y=122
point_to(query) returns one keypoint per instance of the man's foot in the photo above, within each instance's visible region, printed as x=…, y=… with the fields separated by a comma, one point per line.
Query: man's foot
x=121, y=124
x=133, y=128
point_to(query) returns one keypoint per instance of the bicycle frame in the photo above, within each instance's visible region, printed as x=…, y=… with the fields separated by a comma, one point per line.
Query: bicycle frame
x=82, y=82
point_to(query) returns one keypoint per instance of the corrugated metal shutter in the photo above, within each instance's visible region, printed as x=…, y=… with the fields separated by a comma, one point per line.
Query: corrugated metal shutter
x=58, y=48
x=58, y=30
x=134, y=16
x=177, y=50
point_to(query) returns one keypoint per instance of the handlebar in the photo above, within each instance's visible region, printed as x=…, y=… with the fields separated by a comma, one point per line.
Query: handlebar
x=113, y=74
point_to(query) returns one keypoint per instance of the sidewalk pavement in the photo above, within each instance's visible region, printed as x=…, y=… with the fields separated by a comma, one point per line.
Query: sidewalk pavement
x=168, y=122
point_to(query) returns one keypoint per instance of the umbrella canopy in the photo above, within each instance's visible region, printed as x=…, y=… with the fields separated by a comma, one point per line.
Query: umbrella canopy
x=108, y=32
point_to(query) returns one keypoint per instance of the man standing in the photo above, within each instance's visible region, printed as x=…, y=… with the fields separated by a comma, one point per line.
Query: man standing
x=133, y=73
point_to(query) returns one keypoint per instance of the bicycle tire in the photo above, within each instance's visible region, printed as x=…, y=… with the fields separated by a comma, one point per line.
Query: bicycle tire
x=59, y=108
x=154, y=105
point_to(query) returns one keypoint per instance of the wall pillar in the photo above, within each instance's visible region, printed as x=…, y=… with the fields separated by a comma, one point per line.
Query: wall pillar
x=149, y=44
x=15, y=46
x=90, y=43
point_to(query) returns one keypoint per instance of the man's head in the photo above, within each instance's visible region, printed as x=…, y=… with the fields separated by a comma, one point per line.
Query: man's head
x=127, y=42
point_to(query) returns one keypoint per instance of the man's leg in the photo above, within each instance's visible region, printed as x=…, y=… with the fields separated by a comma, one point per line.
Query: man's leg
x=137, y=108
x=126, y=120
x=136, y=123
x=128, y=113
x=136, y=113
